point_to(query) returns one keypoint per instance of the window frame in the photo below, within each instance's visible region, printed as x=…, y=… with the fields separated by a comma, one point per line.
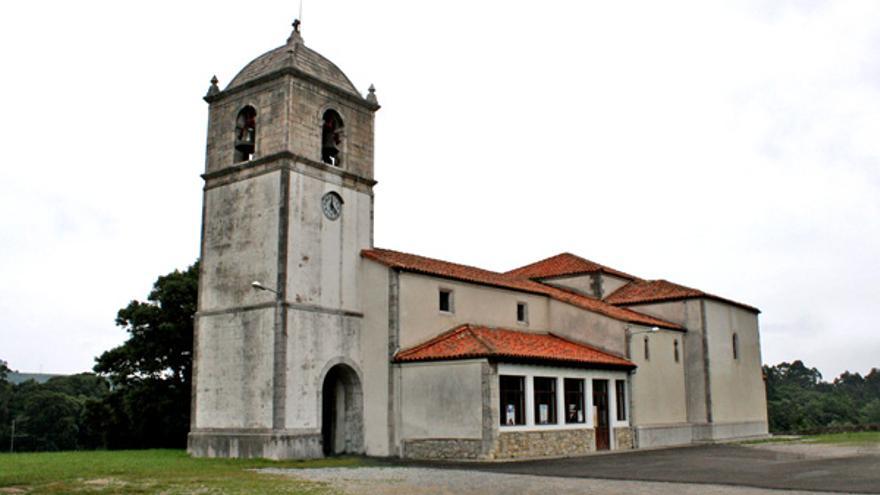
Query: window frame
x=525, y=312
x=580, y=400
x=502, y=409
x=551, y=394
x=450, y=301
x=620, y=399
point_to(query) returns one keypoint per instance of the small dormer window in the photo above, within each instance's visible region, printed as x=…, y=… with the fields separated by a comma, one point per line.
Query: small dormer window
x=445, y=303
x=245, y=134
x=331, y=138
x=522, y=313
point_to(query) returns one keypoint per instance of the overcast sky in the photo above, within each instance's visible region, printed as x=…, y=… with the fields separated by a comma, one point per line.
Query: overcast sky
x=730, y=146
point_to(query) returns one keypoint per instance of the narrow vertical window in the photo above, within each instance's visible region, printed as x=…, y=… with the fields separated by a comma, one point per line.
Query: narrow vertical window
x=620, y=389
x=545, y=400
x=522, y=312
x=675, y=351
x=647, y=350
x=735, y=346
x=245, y=134
x=574, y=400
x=331, y=138
x=445, y=301
x=513, y=400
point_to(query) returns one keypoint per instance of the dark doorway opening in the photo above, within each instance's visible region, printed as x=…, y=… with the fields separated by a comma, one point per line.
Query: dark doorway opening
x=600, y=414
x=342, y=412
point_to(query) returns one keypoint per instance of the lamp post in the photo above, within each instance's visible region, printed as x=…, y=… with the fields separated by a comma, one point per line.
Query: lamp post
x=629, y=387
x=258, y=286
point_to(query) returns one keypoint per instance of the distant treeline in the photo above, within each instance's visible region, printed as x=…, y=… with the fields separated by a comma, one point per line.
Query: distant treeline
x=139, y=395
x=798, y=401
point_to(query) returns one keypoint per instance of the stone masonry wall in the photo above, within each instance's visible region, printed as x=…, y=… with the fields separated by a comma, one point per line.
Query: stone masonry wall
x=549, y=443
x=623, y=438
x=447, y=448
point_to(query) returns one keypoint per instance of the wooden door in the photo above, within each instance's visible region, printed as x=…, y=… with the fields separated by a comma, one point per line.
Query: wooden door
x=600, y=414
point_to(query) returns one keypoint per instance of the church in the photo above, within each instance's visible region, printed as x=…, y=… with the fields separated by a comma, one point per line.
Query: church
x=311, y=341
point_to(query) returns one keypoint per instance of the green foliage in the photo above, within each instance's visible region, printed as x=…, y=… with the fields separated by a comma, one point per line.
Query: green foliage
x=152, y=471
x=151, y=372
x=48, y=416
x=799, y=401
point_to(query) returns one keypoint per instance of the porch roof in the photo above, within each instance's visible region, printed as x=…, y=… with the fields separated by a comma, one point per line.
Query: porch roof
x=475, y=341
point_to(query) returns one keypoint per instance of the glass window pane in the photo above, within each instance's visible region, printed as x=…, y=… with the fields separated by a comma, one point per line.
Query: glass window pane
x=545, y=400
x=574, y=401
x=513, y=400
x=621, y=400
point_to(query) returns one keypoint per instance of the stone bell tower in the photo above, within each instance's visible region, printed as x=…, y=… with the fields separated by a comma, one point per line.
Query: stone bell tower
x=288, y=202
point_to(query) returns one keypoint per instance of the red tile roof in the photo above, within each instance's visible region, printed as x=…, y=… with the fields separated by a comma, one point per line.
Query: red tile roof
x=564, y=264
x=430, y=266
x=647, y=291
x=472, y=341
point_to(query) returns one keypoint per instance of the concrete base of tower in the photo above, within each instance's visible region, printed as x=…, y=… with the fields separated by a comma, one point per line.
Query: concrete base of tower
x=244, y=444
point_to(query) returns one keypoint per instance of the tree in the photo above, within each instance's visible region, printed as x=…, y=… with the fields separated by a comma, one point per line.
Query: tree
x=5, y=400
x=151, y=372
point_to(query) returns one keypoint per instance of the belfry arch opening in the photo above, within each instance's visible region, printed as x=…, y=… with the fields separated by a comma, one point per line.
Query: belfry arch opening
x=245, y=134
x=342, y=406
x=331, y=138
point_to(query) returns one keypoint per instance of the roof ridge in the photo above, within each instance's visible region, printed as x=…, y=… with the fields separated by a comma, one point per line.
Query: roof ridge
x=433, y=340
x=500, y=274
x=489, y=347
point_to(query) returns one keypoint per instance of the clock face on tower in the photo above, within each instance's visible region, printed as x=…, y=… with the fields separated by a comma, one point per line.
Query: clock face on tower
x=331, y=203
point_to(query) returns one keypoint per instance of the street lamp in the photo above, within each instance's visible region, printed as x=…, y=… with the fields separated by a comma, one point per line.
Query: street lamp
x=258, y=286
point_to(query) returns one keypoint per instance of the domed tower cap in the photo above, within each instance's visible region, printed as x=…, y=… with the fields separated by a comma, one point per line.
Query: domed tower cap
x=295, y=55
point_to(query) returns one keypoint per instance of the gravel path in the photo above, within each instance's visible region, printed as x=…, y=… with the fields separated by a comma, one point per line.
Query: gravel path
x=426, y=481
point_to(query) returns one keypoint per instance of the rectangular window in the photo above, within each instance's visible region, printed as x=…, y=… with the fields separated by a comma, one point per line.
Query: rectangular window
x=621, y=399
x=574, y=401
x=545, y=400
x=513, y=400
x=647, y=350
x=446, y=300
x=522, y=312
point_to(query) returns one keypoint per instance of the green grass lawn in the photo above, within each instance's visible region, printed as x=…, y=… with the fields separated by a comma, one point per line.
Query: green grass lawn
x=855, y=438
x=152, y=471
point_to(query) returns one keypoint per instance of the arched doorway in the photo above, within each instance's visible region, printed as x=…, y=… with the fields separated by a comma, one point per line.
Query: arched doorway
x=342, y=406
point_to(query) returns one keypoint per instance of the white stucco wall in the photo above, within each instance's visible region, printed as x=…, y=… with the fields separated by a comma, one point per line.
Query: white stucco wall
x=658, y=385
x=442, y=400
x=584, y=283
x=584, y=326
x=610, y=283
x=421, y=318
x=234, y=385
x=323, y=254
x=240, y=243
x=738, y=392
x=688, y=314
x=374, y=345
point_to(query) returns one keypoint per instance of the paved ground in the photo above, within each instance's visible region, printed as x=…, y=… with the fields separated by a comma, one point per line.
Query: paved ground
x=778, y=466
x=762, y=469
x=429, y=481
